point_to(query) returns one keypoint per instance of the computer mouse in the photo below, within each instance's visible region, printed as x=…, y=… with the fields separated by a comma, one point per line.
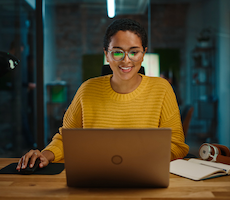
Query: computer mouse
x=29, y=170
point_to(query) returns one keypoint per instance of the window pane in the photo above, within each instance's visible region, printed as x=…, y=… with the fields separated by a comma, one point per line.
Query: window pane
x=17, y=87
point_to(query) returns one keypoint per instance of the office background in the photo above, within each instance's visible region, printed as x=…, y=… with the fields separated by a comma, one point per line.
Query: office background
x=191, y=37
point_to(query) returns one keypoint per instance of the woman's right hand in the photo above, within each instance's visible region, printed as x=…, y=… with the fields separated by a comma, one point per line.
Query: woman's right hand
x=33, y=154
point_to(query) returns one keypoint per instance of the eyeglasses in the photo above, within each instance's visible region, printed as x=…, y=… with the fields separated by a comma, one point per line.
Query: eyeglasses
x=134, y=55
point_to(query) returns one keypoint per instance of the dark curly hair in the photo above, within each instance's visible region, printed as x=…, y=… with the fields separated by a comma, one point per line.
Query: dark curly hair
x=125, y=25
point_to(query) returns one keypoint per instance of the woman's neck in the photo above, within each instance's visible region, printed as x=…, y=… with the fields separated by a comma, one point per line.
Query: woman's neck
x=125, y=87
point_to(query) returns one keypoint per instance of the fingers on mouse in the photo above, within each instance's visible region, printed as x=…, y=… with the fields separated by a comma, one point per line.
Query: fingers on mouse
x=30, y=170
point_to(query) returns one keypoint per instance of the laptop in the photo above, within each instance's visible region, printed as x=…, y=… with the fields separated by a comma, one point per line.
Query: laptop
x=117, y=158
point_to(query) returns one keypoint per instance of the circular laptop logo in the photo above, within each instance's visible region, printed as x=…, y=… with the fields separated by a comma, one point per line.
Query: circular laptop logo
x=117, y=160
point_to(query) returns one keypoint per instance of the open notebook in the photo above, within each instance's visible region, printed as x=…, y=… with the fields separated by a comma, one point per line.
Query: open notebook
x=196, y=169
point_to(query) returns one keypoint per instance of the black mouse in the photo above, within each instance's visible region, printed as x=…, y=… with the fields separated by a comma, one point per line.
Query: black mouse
x=29, y=170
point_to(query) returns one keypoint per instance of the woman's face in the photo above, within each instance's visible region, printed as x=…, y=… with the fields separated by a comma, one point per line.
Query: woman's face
x=125, y=69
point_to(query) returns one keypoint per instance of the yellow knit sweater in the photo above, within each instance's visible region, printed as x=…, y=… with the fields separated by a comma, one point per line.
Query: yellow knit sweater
x=96, y=105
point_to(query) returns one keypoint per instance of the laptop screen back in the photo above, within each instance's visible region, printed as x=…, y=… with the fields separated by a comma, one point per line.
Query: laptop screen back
x=117, y=157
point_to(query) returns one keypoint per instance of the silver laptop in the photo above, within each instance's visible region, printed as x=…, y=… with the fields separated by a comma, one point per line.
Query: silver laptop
x=117, y=157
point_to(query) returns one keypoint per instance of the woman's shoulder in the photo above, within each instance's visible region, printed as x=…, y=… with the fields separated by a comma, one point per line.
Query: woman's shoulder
x=96, y=80
x=157, y=81
x=95, y=83
x=92, y=86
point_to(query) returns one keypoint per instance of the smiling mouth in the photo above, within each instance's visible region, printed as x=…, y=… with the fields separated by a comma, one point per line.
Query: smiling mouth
x=126, y=69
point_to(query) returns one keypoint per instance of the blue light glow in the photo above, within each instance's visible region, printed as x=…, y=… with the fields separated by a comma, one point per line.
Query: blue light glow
x=111, y=8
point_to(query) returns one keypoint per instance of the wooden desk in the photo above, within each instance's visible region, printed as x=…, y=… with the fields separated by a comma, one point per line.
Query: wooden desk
x=46, y=187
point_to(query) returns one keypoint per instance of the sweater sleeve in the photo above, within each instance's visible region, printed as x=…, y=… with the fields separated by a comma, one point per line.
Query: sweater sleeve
x=72, y=119
x=170, y=118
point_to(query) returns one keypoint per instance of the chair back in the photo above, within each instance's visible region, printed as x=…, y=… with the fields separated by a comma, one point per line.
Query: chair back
x=186, y=117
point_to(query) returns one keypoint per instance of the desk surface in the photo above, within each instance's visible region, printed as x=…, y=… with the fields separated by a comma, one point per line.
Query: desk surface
x=46, y=187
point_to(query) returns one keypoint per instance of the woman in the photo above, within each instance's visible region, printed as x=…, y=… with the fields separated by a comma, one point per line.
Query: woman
x=125, y=99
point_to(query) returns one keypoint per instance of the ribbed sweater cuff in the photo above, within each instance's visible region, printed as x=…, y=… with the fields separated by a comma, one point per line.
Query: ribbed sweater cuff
x=58, y=155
